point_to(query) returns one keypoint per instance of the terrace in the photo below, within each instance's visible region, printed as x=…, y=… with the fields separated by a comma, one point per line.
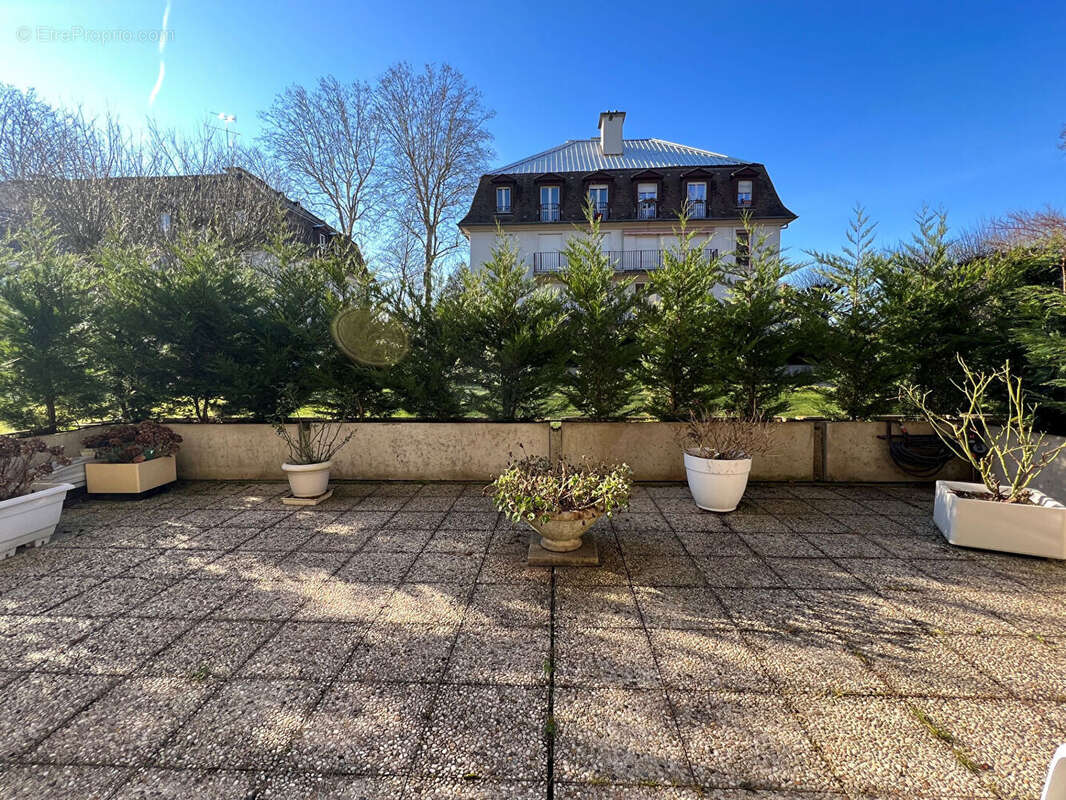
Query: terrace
x=822, y=641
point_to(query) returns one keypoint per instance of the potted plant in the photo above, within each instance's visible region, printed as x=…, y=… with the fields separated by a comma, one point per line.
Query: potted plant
x=718, y=453
x=131, y=459
x=1001, y=512
x=29, y=508
x=311, y=452
x=560, y=500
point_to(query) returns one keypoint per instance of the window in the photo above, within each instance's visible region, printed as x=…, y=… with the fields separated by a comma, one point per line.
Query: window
x=744, y=193
x=696, y=193
x=323, y=240
x=647, y=197
x=598, y=198
x=549, y=203
x=165, y=222
x=503, y=200
x=742, y=251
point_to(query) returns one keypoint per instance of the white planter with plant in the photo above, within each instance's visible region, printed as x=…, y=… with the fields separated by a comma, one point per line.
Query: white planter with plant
x=718, y=454
x=1001, y=512
x=561, y=501
x=311, y=452
x=29, y=507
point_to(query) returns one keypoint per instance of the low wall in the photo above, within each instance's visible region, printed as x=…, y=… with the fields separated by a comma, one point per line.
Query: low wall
x=475, y=451
x=1052, y=478
x=854, y=453
x=70, y=441
x=652, y=449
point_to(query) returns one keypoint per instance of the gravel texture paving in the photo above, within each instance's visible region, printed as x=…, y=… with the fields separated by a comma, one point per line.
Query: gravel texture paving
x=820, y=642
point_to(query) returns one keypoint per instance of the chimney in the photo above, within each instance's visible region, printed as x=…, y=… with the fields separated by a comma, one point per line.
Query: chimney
x=611, y=132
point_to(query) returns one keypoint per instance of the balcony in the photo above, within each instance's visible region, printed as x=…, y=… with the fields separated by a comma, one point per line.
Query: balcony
x=623, y=260
x=549, y=212
x=697, y=209
x=648, y=208
x=599, y=211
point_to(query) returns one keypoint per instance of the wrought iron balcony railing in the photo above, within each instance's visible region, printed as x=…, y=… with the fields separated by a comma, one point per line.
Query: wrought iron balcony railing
x=623, y=260
x=549, y=212
x=697, y=209
x=647, y=209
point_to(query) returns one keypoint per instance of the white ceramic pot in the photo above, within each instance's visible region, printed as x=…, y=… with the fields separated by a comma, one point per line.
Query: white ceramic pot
x=1037, y=529
x=562, y=533
x=32, y=517
x=717, y=484
x=308, y=480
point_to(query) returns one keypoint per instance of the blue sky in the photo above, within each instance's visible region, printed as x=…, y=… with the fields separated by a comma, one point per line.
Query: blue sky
x=891, y=104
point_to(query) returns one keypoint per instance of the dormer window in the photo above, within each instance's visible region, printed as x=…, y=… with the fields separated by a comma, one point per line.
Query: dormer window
x=696, y=195
x=598, y=199
x=743, y=194
x=549, y=203
x=647, y=200
x=166, y=221
x=503, y=199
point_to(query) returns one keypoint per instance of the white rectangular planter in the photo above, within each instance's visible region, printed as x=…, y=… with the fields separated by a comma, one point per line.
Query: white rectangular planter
x=1033, y=530
x=32, y=517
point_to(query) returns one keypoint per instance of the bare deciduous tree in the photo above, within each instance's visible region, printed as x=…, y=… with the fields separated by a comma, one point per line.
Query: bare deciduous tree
x=434, y=127
x=328, y=139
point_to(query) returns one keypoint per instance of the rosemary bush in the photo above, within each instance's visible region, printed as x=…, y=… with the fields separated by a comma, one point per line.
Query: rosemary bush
x=534, y=489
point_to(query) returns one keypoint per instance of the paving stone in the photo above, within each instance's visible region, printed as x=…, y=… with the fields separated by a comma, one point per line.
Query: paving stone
x=845, y=545
x=266, y=600
x=455, y=743
x=706, y=659
x=756, y=523
x=305, y=650
x=173, y=565
x=468, y=541
x=643, y=522
x=312, y=567
x=277, y=539
x=1036, y=574
x=954, y=611
x=584, y=791
x=377, y=567
x=150, y=709
x=1039, y=615
x=247, y=565
x=604, y=657
x=419, y=503
x=665, y=544
x=596, y=606
x=189, y=598
x=813, y=573
x=431, y=567
x=1029, y=668
x=258, y=518
x=878, y=747
x=510, y=604
x=96, y=562
x=310, y=519
x=352, y=522
x=223, y=537
x=949, y=573
x=786, y=506
x=415, y=521
x=399, y=541
x=686, y=607
x=886, y=574
x=617, y=735
x=743, y=739
x=699, y=521
x=118, y=647
x=813, y=523
x=738, y=572
x=611, y=571
x=512, y=568
x=860, y=611
x=713, y=543
x=60, y=783
x=910, y=546
x=391, y=652
x=41, y=595
x=780, y=544
x=474, y=788
x=499, y=655
x=316, y=786
x=381, y=503
x=364, y=729
x=871, y=524
x=344, y=601
x=29, y=642
x=427, y=603
x=210, y=649
x=246, y=725
x=813, y=662
x=677, y=570
x=35, y=704
x=179, y=784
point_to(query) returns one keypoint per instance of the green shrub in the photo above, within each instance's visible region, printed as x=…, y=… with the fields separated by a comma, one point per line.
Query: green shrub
x=534, y=488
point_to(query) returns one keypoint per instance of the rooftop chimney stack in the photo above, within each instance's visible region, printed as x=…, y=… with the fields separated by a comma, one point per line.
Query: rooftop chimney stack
x=611, y=132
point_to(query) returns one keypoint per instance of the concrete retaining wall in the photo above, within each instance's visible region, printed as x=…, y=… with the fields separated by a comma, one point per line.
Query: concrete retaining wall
x=475, y=451
x=1052, y=479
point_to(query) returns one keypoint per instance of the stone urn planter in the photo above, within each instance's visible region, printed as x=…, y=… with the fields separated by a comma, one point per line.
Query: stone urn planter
x=31, y=518
x=137, y=478
x=563, y=531
x=308, y=480
x=1037, y=528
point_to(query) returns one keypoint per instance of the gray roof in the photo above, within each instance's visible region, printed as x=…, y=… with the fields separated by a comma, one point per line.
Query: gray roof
x=583, y=155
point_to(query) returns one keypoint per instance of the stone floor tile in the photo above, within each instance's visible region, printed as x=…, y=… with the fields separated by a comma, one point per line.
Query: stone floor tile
x=610, y=572
x=399, y=541
x=813, y=662
x=911, y=546
x=685, y=607
x=756, y=523
x=312, y=566
x=877, y=746
x=464, y=541
x=247, y=565
x=836, y=505
x=738, y=572
x=427, y=603
x=813, y=523
x=189, y=598
x=845, y=545
x=305, y=651
x=767, y=609
x=678, y=570
x=266, y=600
x=289, y=785
x=343, y=601
x=118, y=647
x=743, y=739
x=617, y=735
x=813, y=573
x=27, y=643
x=895, y=508
x=954, y=611
x=409, y=521
x=499, y=655
x=310, y=519
x=706, y=659
x=786, y=506
x=948, y=573
x=381, y=503
x=363, y=729
x=433, y=567
x=1008, y=741
x=470, y=520
x=391, y=652
x=96, y=562
x=245, y=725
x=210, y=649
x=870, y=524
x=455, y=744
x=180, y=537
x=173, y=565
x=1036, y=574
x=780, y=544
x=512, y=568
x=604, y=658
x=697, y=521
x=621, y=791
x=60, y=783
x=177, y=784
x=419, y=503
x=1029, y=668
x=113, y=596
x=886, y=574
x=35, y=704
x=713, y=543
x=352, y=522
x=377, y=567
x=280, y=539
x=860, y=611
x=146, y=710
x=639, y=522
x=1036, y=614
x=41, y=595
x=474, y=788
x=596, y=606
x=259, y=518
x=664, y=544
x=510, y=604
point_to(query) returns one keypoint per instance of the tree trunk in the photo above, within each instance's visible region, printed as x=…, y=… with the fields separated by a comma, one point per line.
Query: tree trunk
x=50, y=408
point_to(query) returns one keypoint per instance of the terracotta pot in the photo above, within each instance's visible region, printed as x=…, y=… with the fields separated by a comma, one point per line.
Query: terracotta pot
x=562, y=532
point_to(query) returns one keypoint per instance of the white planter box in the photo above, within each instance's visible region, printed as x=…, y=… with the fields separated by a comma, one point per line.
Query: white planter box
x=32, y=517
x=717, y=484
x=1033, y=530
